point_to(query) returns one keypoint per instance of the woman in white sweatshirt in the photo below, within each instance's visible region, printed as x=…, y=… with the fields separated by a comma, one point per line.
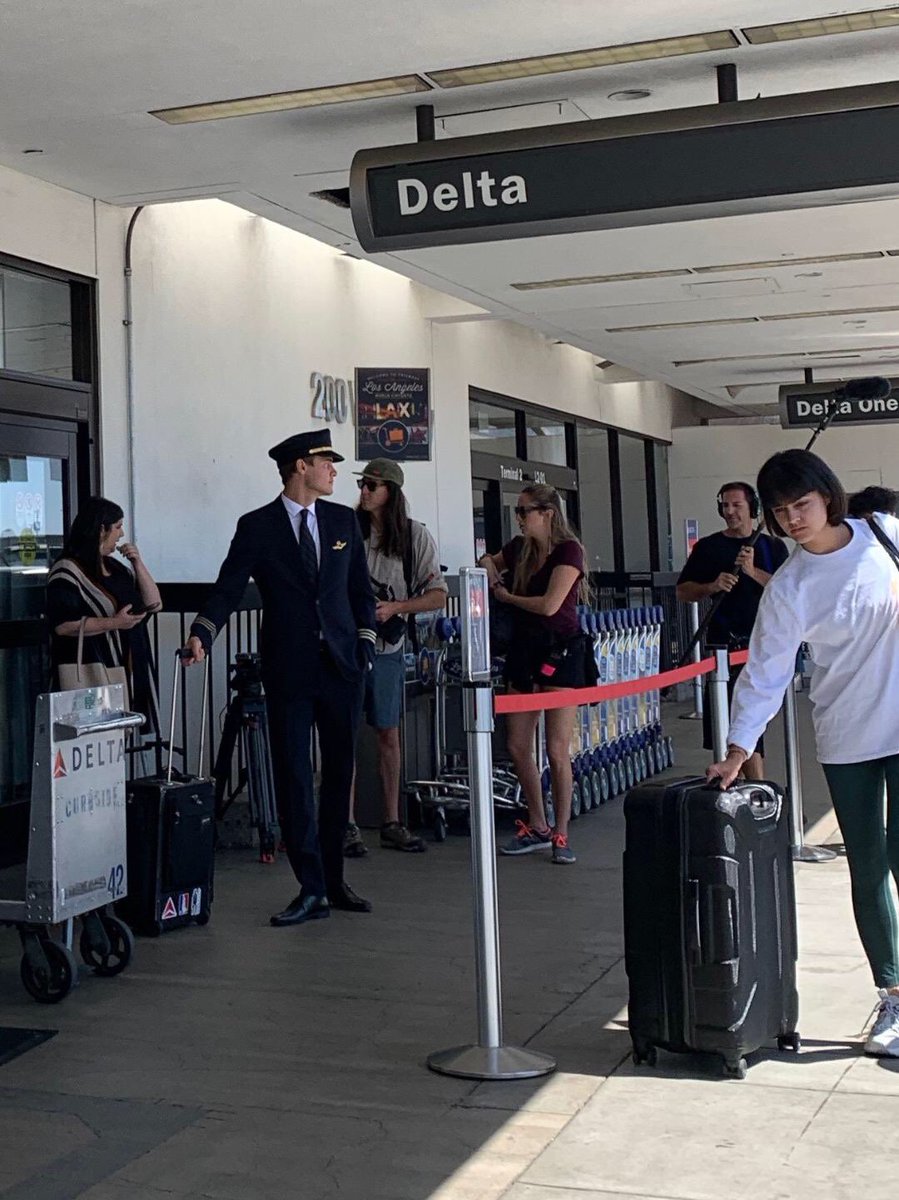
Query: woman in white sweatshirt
x=839, y=593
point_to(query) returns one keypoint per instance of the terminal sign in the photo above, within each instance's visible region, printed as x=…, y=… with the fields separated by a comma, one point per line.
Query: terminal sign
x=805, y=406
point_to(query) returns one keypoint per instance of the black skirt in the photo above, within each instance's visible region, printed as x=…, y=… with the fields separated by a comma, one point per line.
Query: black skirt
x=543, y=659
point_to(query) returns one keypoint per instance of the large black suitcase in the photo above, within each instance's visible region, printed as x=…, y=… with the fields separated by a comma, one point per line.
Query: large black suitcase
x=709, y=920
x=171, y=844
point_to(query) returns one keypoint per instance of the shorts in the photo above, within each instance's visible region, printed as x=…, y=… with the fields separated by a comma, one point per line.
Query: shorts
x=576, y=668
x=383, y=703
x=707, y=740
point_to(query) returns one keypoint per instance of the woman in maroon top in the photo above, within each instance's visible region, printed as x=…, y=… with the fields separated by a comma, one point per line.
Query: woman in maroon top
x=549, y=653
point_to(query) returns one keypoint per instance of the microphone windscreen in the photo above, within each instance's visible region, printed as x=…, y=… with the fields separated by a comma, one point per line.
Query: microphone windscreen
x=874, y=388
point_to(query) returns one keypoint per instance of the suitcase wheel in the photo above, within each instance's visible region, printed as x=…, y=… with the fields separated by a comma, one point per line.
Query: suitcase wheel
x=789, y=1041
x=735, y=1070
x=645, y=1054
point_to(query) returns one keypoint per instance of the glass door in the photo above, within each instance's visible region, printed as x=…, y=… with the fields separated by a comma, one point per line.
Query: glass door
x=37, y=502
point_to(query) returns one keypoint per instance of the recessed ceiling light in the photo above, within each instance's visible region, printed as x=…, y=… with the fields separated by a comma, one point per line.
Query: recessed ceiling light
x=630, y=94
x=770, y=264
x=580, y=60
x=536, y=285
x=339, y=93
x=683, y=324
x=789, y=31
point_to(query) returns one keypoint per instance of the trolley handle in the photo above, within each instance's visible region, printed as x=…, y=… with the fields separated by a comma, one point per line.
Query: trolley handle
x=63, y=731
x=178, y=659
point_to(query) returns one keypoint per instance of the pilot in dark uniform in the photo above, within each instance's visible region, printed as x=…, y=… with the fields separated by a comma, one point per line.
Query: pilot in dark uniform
x=317, y=641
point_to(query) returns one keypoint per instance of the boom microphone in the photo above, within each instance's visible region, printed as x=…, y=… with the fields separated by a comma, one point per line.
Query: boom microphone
x=873, y=388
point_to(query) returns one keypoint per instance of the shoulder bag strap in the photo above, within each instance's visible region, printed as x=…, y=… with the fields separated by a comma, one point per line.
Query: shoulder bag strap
x=410, y=589
x=885, y=541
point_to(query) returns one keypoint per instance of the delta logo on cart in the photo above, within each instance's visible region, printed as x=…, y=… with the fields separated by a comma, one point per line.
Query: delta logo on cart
x=59, y=766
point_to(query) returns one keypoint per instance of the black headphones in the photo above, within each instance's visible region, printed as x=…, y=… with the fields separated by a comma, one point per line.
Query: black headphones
x=747, y=489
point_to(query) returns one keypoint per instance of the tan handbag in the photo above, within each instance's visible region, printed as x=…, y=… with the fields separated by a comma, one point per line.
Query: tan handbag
x=80, y=674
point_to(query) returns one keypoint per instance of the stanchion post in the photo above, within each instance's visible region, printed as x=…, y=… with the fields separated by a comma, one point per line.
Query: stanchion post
x=800, y=851
x=697, y=713
x=489, y=1058
x=718, y=698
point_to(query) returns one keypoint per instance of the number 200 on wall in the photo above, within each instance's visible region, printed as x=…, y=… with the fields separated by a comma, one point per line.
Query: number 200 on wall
x=332, y=399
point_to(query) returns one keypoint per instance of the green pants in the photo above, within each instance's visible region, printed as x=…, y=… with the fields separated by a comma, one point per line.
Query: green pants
x=872, y=850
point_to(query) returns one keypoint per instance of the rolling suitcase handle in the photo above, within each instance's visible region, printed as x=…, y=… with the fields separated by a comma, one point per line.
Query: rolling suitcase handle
x=168, y=773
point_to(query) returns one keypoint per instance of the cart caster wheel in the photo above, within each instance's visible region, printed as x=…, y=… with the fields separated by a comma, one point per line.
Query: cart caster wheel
x=576, y=800
x=736, y=1070
x=50, y=984
x=614, y=780
x=202, y=918
x=790, y=1041
x=440, y=828
x=116, y=958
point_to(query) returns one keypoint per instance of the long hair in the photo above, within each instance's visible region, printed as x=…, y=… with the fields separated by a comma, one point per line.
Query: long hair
x=83, y=541
x=790, y=474
x=393, y=536
x=547, y=497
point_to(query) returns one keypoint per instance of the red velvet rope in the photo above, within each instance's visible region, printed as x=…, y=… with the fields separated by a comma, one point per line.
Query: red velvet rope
x=537, y=701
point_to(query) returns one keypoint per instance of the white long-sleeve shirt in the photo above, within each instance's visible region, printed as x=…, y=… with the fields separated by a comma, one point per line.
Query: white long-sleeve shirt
x=845, y=605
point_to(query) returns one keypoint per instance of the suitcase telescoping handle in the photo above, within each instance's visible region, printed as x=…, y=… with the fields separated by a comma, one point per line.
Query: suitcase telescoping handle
x=168, y=773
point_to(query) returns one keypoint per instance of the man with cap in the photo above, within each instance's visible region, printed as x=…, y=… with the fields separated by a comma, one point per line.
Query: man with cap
x=405, y=573
x=316, y=643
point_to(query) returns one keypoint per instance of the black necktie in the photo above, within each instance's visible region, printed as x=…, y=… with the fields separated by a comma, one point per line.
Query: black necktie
x=308, y=557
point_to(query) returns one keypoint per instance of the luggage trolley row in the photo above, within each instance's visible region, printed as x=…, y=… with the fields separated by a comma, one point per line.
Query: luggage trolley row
x=617, y=743
x=448, y=792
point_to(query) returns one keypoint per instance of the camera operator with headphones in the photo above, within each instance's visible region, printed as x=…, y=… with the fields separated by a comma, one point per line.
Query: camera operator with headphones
x=738, y=561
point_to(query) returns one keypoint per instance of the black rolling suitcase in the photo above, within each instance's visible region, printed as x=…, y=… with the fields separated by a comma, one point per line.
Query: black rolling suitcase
x=709, y=920
x=171, y=841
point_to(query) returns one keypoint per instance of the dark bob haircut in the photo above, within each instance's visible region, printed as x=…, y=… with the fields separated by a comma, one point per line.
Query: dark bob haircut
x=871, y=500
x=793, y=473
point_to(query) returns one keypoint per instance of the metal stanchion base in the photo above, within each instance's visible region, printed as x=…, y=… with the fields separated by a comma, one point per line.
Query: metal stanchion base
x=491, y=1062
x=693, y=716
x=813, y=854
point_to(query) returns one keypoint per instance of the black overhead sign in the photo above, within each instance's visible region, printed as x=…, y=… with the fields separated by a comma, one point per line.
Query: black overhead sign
x=711, y=161
x=805, y=405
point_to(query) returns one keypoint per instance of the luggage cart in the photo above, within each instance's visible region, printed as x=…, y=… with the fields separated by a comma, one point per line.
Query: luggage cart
x=76, y=861
x=449, y=791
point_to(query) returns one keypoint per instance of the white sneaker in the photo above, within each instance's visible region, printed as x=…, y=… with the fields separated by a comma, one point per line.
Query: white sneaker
x=884, y=1037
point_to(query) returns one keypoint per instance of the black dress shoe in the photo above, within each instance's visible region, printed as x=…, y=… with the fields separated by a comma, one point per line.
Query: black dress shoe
x=347, y=899
x=305, y=907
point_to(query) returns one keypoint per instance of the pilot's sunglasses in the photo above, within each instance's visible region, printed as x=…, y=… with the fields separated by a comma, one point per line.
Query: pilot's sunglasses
x=522, y=510
x=371, y=484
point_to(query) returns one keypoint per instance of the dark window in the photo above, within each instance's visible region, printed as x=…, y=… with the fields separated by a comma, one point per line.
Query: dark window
x=491, y=429
x=634, y=506
x=595, y=497
x=546, y=441
x=35, y=325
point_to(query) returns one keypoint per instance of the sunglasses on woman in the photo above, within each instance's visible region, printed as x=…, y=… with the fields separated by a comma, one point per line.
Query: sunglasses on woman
x=370, y=485
x=522, y=510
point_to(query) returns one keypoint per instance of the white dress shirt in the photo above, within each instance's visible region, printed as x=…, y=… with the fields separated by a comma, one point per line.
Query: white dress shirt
x=293, y=511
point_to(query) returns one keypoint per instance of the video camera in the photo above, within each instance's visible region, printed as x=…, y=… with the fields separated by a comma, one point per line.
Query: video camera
x=246, y=675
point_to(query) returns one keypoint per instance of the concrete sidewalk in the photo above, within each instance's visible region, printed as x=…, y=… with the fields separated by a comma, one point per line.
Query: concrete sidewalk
x=238, y=1062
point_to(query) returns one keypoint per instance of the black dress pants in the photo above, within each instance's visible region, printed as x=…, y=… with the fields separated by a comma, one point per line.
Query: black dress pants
x=332, y=704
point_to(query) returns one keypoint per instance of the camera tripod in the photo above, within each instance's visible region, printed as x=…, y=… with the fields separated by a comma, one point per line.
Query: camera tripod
x=247, y=719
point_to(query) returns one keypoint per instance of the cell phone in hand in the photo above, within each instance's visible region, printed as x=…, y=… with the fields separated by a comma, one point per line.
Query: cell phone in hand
x=138, y=610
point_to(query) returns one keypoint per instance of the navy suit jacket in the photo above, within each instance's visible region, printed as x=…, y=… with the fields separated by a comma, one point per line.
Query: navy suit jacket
x=341, y=605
